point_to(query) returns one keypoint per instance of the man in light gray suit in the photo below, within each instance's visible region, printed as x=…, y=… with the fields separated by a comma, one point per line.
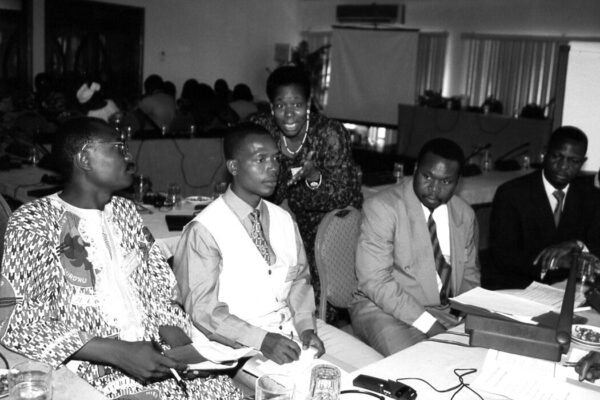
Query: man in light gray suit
x=417, y=248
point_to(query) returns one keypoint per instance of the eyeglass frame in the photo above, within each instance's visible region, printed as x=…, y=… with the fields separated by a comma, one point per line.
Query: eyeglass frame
x=123, y=148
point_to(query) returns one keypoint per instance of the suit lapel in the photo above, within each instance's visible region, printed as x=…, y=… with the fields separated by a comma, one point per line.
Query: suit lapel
x=423, y=249
x=457, y=243
x=541, y=206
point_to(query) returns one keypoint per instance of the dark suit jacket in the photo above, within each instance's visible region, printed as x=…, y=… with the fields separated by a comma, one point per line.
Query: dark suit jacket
x=522, y=225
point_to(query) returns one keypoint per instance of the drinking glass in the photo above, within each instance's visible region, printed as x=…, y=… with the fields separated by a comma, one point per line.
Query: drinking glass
x=324, y=382
x=141, y=185
x=274, y=386
x=173, y=194
x=220, y=188
x=588, y=267
x=30, y=380
x=398, y=172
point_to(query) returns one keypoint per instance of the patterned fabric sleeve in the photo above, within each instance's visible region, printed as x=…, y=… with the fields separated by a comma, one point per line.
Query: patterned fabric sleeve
x=35, y=327
x=155, y=279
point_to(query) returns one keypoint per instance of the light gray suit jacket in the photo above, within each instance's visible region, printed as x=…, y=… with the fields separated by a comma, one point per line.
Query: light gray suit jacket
x=394, y=259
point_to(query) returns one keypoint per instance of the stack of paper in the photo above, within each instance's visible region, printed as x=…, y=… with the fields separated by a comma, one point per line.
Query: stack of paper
x=509, y=306
x=518, y=305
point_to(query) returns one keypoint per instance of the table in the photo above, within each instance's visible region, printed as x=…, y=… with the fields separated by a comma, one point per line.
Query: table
x=17, y=182
x=66, y=385
x=155, y=221
x=435, y=362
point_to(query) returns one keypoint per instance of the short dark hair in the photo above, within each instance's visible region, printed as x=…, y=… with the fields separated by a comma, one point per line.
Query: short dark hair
x=153, y=83
x=235, y=136
x=72, y=135
x=567, y=134
x=285, y=76
x=444, y=148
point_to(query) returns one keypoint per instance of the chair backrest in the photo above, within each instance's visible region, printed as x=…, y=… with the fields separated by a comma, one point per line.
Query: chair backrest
x=5, y=213
x=335, y=247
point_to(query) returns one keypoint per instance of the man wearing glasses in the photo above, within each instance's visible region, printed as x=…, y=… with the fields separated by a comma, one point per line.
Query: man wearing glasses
x=542, y=216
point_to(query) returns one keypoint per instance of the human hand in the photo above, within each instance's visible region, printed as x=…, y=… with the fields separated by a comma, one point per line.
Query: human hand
x=280, y=349
x=143, y=362
x=552, y=257
x=307, y=171
x=443, y=316
x=310, y=338
x=588, y=367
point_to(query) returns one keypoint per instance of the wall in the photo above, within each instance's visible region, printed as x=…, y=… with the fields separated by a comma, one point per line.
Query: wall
x=526, y=17
x=206, y=39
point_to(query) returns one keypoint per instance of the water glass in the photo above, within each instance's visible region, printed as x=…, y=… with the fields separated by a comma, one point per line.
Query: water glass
x=274, y=387
x=398, y=172
x=486, y=161
x=220, y=188
x=30, y=380
x=173, y=194
x=141, y=185
x=325, y=382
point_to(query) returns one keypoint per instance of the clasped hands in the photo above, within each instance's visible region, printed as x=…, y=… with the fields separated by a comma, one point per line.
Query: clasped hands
x=554, y=257
x=588, y=367
x=307, y=171
x=283, y=350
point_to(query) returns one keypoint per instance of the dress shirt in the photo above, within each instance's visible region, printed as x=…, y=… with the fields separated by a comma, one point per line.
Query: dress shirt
x=197, y=265
x=440, y=216
x=549, y=193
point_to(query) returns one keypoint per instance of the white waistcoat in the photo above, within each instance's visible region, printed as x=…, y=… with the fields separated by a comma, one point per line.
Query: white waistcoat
x=245, y=284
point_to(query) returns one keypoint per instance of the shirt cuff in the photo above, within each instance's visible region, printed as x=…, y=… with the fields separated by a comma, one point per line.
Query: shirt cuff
x=253, y=338
x=424, y=322
x=304, y=322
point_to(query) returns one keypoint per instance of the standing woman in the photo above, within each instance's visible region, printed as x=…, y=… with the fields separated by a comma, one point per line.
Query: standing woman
x=318, y=173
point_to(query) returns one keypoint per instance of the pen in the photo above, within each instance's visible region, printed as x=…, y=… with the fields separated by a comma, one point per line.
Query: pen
x=180, y=382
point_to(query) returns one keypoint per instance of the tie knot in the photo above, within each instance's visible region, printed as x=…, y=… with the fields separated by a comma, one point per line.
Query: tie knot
x=255, y=214
x=559, y=195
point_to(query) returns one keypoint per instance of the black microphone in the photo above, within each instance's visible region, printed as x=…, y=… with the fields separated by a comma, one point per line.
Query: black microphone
x=389, y=388
x=474, y=169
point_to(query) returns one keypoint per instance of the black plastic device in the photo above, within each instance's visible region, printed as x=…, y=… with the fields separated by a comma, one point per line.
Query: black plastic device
x=389, y=388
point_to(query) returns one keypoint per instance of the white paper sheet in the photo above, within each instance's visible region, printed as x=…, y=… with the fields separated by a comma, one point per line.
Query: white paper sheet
x=520, y=378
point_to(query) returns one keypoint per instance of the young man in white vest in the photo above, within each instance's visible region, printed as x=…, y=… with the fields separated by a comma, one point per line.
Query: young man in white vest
x=244, y=277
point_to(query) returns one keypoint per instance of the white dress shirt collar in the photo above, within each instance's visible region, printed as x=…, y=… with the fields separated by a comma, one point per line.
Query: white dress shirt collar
x=550, y=190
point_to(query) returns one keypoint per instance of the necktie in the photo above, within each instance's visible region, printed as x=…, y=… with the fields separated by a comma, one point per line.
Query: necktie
x=443, y=269
x=258, y=236
x=560, y=196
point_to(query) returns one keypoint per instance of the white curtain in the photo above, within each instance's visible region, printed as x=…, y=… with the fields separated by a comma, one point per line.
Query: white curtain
x=371, y=72
x=515, y=70
x=431, y=58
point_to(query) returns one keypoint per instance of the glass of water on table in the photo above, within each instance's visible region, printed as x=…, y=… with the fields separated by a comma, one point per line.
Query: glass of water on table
x=30, y=380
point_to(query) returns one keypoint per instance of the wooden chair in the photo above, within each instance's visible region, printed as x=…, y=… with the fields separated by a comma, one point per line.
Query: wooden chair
x=335, y=247
x=5, y=213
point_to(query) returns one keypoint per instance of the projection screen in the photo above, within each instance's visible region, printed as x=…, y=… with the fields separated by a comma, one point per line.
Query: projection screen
x=371, y=72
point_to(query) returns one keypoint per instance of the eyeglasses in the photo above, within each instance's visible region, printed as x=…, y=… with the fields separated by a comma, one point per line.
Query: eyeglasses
x=571, y=161
x=121, y=147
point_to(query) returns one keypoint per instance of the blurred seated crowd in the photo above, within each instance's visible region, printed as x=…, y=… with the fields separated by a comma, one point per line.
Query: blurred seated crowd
x=34, y=115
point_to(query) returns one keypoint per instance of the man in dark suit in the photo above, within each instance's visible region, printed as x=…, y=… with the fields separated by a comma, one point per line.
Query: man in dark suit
x=542, y=216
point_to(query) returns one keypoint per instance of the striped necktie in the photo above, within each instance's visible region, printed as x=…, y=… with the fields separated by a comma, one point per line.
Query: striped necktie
x=258, y=236
x=443, y=269
x=560, y=196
